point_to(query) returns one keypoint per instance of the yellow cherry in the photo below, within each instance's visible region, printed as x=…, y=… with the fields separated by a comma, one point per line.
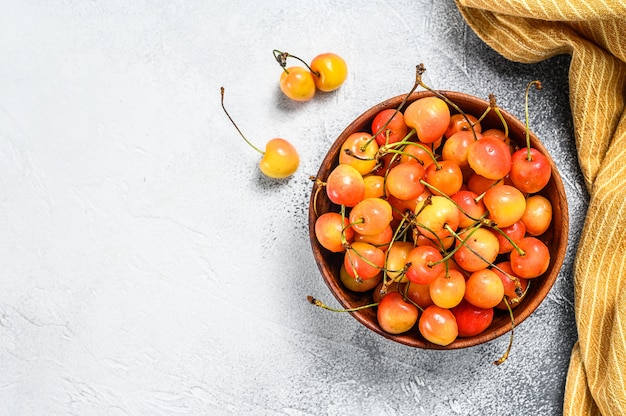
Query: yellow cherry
x=280, y=158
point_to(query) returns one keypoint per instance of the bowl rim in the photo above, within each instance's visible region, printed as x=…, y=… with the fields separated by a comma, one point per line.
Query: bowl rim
x=548, y=279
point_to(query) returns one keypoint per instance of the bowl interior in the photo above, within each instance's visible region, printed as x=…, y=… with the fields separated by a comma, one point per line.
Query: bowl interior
x=555, y=237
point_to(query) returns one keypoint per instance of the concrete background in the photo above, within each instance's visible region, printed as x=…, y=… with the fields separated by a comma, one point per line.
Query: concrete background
x=147, y=268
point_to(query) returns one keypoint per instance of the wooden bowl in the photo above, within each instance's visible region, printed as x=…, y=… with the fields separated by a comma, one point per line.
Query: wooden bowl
x=555, y=237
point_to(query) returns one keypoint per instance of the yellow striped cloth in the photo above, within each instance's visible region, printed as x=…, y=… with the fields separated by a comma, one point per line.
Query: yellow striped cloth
x=594, y=33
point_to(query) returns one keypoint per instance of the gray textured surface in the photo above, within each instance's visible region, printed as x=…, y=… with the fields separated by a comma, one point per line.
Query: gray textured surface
x=148, y=269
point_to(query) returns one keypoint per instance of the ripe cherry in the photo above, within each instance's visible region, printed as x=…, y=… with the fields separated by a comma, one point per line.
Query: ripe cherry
x=470, y=207
x=507, y=236
x=425, y=264
x=506, y=205
x=280, y=159
x=345, y=185
x=513, y=292
x=445, y=177
x=358, y=285
x=359, y=150
x=530, y=170
x=448, y=289
x=396, y=315
x=460, y=122
x=404, y=181
x=396, y=259
x=489, y=157
x=484, y=289
x=419, y=294
x=535, y=258
x=471, y=320
x=374, y=186
x=363, y=261
x=370, y=216
x=297, y=83
x=437, y=216
x=456, y=147
x=477, y=249
x=419, y=153
x=438, y=325
x=429, y=116
x=332, y=231
x=538, y=215
x=329, y=71
x=391, y=125
x=380, y=240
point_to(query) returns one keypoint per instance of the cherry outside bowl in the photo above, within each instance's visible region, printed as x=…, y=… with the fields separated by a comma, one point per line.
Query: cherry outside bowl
x=555, y=237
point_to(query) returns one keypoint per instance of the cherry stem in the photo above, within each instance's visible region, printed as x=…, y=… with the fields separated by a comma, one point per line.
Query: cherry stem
x=320, y=304
x=538, y=86
x=320, y=184
x=235, y=124
x=508, y=349
x=493, y=104
x=509, y=239
x=281, y=58
x=419, y=70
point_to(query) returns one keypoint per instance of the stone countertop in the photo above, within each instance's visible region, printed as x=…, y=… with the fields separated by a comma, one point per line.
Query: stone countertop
x=149, y=269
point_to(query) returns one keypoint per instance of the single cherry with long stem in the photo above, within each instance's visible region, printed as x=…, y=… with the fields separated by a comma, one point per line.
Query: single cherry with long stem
x=280, y=158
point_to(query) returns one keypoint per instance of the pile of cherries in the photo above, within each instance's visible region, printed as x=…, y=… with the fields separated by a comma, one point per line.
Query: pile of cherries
x=438, y=217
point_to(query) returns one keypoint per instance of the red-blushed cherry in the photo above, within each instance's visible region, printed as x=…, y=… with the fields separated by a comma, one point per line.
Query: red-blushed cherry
x=456, y=147
x=471, y=320
x=515, y=232
x=380, y=240
x=370, y=216
x=332, y=231
x=538, y=215
x=358, y=285
x=345, y=185
x=419, y=294
x=534, y=261
x=280, y=158
x=359, y=151
x=530, y=170
x=390, y=123
x=425, y=264
x=470, y=207
x=395, y=314
x=513, y=292
x=489, y=157
x=363, y=261
x=445, y=177
x=462, y=122
x=479, y=184
x=477, y=249
x=484, y=289
x=429, y=116
x=404, y=181
x=417, y=152
x=438, y=325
